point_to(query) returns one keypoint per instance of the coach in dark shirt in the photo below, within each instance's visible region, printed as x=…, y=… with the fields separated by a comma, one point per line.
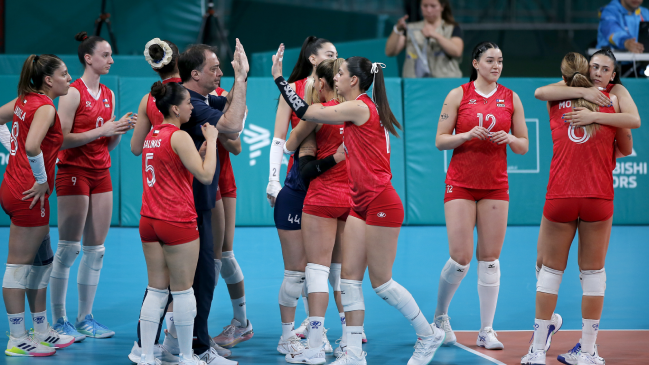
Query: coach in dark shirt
x=200, y=72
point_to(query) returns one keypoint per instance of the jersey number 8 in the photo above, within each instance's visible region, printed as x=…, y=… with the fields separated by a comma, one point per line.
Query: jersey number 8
x=149, y=168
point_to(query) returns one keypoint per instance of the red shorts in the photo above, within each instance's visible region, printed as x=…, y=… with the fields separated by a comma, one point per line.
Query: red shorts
x=227, y=185
x=19, y=212
x=73, y=180
x=327, y=212
x=564, y=210
x=169, y=233
x=386, y=210
x=457, y=192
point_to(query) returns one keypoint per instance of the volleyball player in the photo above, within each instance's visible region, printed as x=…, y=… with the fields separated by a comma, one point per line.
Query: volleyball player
x=475, y=122
x=83, y=185
x=372, y=228
x=28, y=181
x=288, y=201
x=168, y=228
x=326, y=205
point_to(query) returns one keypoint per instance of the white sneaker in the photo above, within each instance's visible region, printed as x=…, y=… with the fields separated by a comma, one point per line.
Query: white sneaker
x=443, y=322
x=555, y=326
x=570, y=357
x=487, y=339
x=292, y=345
x=326, y=344
x=533, y=357
x=27, y=345
x=234, y=333
x=349, y=358
x=193, y=360
x=303, y=331
x=160, y=352
x=308, y=356
x=220, y=350
x=585, y=358
x=142, y=361
x=341, y=347
x=52, y=338
x=211, y=357
x=425, y=347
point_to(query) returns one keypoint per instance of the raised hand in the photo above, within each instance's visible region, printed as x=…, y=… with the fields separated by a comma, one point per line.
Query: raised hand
x=401, y=24
x=277, y=62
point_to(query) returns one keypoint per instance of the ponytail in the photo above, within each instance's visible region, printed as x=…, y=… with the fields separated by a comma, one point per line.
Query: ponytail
x=303, y=67
x=34, y=71
x=574, y=69
x=478, y=50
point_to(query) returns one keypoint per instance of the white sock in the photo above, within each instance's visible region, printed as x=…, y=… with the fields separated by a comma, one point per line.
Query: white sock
x=171, y=326
x=239, y=309
x=148, y=331
x=355, y=339
x=449, y=281
x=589, y=329
x=288, y=330
x=17, y=324
x=399, y=297
x=58, y=291
x=86, y=300
x=305, y=299
x=217, y=269
x=316, y=330
x=344, y=324
x=66, y=254
x=40, y=321
x=540, y=334
x=488, y=301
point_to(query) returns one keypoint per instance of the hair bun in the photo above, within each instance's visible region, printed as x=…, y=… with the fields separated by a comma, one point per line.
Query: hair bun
x=156, y=52
x=81, y=36
x=158, y=90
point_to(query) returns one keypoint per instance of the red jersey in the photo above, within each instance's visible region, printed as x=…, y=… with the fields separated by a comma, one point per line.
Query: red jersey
x=18, y=175
x=478, y=164
x=152, y=112
x=300, y=85
x=331, y=189
x=167, y=184
x=367, y=154
x=91, y=113
x=582, y=164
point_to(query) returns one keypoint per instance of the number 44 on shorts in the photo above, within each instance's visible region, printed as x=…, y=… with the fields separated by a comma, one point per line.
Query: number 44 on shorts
x=295, y=219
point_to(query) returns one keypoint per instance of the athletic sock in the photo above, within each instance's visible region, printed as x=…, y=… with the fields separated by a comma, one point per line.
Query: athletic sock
x=449, y=281
x=217, y=269
x=316, y=330
x=288, y=330
x=540, y=334
x=40, y=321
x=305, y=299
x=239, y=309
x=148, y=331
x=58, y=291
x=88, y=278
x=355, y=339
x=17, y=324
x=86, y=300
x=589, y=329
x=488, y=301
x=344, y=324
x=66, y=254
x=171, y=326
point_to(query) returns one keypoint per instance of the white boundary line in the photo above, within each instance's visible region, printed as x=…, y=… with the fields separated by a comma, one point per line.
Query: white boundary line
x=562, y=330
x=479, y=354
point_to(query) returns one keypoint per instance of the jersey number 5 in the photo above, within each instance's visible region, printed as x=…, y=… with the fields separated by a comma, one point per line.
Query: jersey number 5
x=489, y=117
x=149, y=168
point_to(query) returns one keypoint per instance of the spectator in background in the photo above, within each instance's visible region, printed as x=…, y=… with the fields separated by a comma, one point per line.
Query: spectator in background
x=433, y=46
x=619, y=25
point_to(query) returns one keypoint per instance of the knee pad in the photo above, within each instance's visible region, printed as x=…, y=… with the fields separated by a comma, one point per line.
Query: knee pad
x=154, y=305
x=231, y=272
x=394, y=294
x=39, y=277
x=316, y=278
x=351, y=295
x=593, y=282
x=44, y=256
x=16, y=276
x=489, y=273
x=184, y=307
x=549, y=280
x=65, y=255
x=291, y=288
x=538, y=270
x=334, y=276
x=453, y=272
x=91, y=264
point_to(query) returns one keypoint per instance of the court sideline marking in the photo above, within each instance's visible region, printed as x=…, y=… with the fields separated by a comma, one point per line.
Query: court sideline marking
x=479, y=354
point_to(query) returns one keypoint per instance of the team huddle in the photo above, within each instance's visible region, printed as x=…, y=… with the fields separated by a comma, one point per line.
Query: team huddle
x=337, y=214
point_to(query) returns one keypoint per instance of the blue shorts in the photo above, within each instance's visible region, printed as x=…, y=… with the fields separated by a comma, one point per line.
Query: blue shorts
x=288, y=209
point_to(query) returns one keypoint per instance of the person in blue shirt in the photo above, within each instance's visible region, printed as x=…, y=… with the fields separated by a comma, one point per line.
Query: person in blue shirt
x=619, y=25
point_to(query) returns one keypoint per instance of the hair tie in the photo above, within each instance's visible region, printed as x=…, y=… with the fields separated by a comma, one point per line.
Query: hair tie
x=374, y=71
x=167, y=54
x=575, y=74
x=84, y=38
x=36, y=58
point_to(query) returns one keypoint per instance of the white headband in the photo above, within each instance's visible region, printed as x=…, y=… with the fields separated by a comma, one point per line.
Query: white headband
x=167, y=53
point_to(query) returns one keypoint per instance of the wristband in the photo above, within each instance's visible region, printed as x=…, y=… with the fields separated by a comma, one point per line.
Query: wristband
x=38, y=168
x=5, y=137
x=293, y=100
x=396, y=30
x=276, y=156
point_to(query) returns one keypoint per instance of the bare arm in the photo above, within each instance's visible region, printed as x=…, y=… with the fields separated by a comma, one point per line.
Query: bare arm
x=518, y=141
x=282, y=117
x=445, y=139
x=561, y=91
x=203, y=170
x=299, y=133
x=43, y=120
x=115, y=139
x=7, y=112
x=308, y=146
x=623, y=142
x=353, y=111
x=142, y=127
x=232, y=146
x=232, y=119
x=583, y=116
x=453, y=46
x=395, y=44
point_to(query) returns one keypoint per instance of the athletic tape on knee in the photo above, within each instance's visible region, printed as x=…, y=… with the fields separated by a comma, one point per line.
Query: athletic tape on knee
x=593, y=282
x=44, y=255
x=184, y=307
x=489, y=273
x=154, y=304
x=291, y=288
x=316, y=278
x=16, y=276
x=453, y=272
x=91, y=264
x=394, y=294
x=549, y=280
x=334, y=276
x=66, y=253
x=39, y=277
x=231, y=272
x=351, y=295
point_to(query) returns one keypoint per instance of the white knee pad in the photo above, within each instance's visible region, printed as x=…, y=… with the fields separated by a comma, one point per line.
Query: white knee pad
x=66, y=253
x=16, y=276
x=231, y=272
x=291, y=288
x=184, y=307
x=91, y=264
x=334, y=276
x=453, y=272
x=394, y=294
x=316, y=278
x=489, y=273
x=351, y=295
x=538, y=270
x=39, y=277
x=154, y=305
x=593, y=282
x=549, y=280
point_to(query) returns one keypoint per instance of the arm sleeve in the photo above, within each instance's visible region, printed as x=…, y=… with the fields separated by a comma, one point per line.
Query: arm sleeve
x=611, y=29
x=457, y=32
x=310, y=168
x=217, y=102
